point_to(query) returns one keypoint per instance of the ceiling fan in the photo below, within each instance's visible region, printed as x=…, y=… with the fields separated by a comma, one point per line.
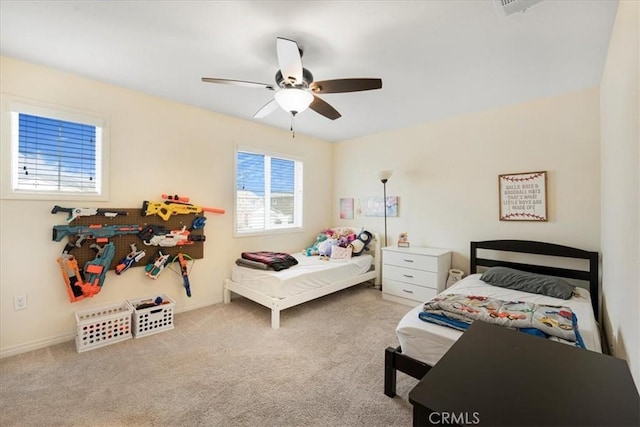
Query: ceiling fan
x=295, y=89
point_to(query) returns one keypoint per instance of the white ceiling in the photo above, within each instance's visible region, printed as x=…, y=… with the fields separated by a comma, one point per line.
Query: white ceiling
x=436, y=58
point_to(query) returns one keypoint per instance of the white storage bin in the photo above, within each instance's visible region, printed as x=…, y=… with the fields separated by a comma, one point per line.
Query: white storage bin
x=151, y=320
x=102, y=326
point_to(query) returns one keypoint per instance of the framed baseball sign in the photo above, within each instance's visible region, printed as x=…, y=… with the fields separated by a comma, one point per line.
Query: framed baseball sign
x=523, y=196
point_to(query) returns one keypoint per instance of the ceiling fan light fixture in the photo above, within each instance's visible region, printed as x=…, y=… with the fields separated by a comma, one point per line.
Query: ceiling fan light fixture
x=294, y=100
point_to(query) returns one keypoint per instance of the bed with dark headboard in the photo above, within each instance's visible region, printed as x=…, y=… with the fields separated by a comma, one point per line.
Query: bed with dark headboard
x=492, y=253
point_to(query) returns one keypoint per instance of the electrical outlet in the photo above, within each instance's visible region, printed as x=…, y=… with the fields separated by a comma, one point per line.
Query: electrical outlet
x=19, y=302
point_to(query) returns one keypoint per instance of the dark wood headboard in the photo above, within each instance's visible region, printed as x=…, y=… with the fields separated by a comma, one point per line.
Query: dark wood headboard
x=540, y=248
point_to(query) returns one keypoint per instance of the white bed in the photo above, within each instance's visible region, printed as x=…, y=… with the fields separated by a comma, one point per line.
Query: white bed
x=312, y=278
x=428, y=342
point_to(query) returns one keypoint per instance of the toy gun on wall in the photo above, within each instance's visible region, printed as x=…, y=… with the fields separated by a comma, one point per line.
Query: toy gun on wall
x=97, y=232
x=95, y=270
x=76, y=212
x=153, y=269
x=79, y=288
x=128, y=261
x=71, y=274
x=184, y=270
x=157, y=235
x=174, y=205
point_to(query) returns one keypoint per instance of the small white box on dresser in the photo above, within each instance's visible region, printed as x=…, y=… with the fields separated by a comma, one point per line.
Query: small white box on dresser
x=414, y=275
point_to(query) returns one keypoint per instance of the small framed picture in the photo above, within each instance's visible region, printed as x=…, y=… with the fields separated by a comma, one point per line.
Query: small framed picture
x=523, y=196
x=346, y=208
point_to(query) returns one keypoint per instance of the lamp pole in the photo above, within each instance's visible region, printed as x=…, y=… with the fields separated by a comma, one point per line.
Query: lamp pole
x=384, y=187
x=384, y=176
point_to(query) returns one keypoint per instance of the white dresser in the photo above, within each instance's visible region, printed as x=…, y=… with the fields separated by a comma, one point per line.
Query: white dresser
x=414, y=275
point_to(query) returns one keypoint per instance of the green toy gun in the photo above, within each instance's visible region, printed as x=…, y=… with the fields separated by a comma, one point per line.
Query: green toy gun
x=99, y=233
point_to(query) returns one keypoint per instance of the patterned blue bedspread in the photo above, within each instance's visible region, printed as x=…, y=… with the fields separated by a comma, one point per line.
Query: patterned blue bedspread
x=458, y=311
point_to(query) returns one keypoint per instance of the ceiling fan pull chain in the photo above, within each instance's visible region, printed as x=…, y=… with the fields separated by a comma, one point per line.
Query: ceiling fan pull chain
x=293, y=122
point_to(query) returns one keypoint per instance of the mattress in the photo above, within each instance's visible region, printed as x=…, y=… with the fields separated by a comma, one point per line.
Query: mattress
x=427, y=342
x=310, y=273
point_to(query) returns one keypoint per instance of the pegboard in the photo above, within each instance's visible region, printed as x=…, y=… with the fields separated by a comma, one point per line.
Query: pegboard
x=134, y=217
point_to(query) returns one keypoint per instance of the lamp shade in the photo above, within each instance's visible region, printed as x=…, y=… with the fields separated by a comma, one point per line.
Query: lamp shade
x=384, y=175
x=293, y=99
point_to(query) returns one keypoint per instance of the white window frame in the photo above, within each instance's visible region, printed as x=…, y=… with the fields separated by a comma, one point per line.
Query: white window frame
x=298, y=192
x=9, y=107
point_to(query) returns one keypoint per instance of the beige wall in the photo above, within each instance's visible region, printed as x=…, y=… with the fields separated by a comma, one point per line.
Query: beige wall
x=446, y=174
x=156, y=147
x=621, y=187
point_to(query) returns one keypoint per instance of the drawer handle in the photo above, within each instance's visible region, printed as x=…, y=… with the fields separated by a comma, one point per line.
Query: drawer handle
x=408, y=276
x=407, y=291
x=407, y=260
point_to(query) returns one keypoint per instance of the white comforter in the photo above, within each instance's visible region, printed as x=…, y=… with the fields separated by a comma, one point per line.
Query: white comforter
x=310, y=273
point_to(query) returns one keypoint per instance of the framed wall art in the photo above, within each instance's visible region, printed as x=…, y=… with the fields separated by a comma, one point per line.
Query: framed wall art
x=375, y=206
x=346, y=208
x=523, y=196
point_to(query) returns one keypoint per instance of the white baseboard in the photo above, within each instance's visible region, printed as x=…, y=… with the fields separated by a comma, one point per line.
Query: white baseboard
x=197, y=306
x=46, y=342
x=35, y=345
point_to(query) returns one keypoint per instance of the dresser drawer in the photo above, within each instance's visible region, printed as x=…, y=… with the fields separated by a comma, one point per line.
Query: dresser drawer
x=409, y=291
x=408, y=275
x=411, y=260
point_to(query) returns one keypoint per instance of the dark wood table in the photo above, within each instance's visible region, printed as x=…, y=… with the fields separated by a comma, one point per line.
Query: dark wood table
x=494, y=376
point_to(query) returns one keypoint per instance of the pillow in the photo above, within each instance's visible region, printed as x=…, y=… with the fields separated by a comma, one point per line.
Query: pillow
x=338, y=252
x=528, y=282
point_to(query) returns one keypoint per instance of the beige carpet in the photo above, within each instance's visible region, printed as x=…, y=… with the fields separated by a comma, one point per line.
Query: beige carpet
x=222, y=366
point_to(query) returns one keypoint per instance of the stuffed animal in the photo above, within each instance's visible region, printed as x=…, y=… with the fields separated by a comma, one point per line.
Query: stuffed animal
x=313, y=249
x=344, y=241
x=361, y=243
x=324, y=249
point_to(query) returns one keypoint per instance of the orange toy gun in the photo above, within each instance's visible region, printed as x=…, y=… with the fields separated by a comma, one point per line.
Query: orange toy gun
x=174, y=206
x=79, y=285
x=71, y=274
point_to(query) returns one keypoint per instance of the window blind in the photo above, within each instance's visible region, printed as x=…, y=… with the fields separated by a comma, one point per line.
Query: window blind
x=268, y=192
x=57, y=155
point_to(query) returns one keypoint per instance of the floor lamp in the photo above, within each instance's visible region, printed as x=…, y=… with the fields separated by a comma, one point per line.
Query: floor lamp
x=384, y=177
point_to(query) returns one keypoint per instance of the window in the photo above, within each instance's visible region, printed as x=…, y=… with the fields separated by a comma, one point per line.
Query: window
x=54, y=153
x=268, y=192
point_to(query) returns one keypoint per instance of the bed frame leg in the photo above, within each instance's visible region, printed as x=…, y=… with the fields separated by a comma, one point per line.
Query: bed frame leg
x=226, y=293
x=389, y=372
x=275, y=319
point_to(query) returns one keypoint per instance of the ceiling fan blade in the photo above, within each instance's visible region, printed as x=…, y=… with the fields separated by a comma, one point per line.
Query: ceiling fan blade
x=266, y=109
x=289, y=60
x=323, y=108
x=345, y=85
x=237, y=83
